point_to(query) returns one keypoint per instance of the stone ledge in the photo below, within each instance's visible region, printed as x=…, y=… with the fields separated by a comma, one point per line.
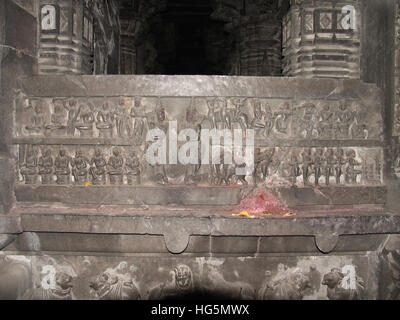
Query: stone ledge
x=191, y=195
x=177, y=228
x=207, y=86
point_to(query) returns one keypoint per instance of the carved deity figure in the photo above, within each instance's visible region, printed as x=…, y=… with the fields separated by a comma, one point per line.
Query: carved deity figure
x=351, y=171
x=57, y=119
x=359, y=128
x=97, y=169
x=318, y=162
x=79, y=168
x=115, y=167
x=46, y=167
x=61, y=167
x=30, y=169
x=122, y=120
x=294, y=167
x=331, y=162
x=325, y=124
x=73, y=114
x=282, y=119
x=343, y=120
x=37, y=121
x=340, y=162
x=263, y=120
x=221, y=116
x=307, y=121
x=239, y=116
x=132, y=165
x=262, y=161
x=104, y=121
x=139, y=125
x=85, y=126
x=307, y=163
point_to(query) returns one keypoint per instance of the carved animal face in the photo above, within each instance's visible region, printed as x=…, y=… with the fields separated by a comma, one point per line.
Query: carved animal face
x=332, y=278
x=103, y=282
x=183, y=277
x=63, y=280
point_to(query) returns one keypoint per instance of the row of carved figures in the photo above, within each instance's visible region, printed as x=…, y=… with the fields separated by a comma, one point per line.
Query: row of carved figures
x=123, y=282
x=69, y=116
x=338, y=164
x=319, y=163
x=83, y=170
x=306, y=121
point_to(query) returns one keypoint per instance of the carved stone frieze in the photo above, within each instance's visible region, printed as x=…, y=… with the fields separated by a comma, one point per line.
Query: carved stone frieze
x=130, y=118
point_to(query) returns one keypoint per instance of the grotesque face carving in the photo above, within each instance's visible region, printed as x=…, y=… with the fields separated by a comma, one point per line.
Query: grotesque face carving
x=332, y=278
x=63, y=280
x=183, y=277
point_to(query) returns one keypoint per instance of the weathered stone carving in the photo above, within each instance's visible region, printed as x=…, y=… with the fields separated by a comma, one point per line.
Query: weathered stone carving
x=80, y=168
x=104, y=121
x=133, y=169
x=98, y=168
x=53, y=281
x=62, y=167
x=57, y=126
x=180, y=286
x=287, y=284
x=125, y=117
x=116, y=284
x=86, y=120
x=393, y=260
x=275, y=166
x=29, y=169
x=115, y=164
x=337, y=290
x=46, y=167
x=37, y=120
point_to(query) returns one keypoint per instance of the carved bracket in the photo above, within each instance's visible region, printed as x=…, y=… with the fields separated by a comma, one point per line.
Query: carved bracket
x=176, y=241
x=326, y=242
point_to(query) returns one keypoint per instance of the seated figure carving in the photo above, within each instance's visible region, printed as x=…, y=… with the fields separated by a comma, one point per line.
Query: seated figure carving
x=79, y=168
x=104, y=121
x=115, y=167
x=46, y=167
x=97, y=169
x=132, y=164
x=62, y=170
x=29, y=170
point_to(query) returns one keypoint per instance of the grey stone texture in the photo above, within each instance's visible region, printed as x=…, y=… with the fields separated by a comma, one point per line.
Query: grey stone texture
x=82, y=216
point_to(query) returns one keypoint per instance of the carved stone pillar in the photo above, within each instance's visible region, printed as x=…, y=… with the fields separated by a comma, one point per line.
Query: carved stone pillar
x=66, y=37
x=128, y=45
x=260, y=47
x=260, y=43
x=322, y=39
